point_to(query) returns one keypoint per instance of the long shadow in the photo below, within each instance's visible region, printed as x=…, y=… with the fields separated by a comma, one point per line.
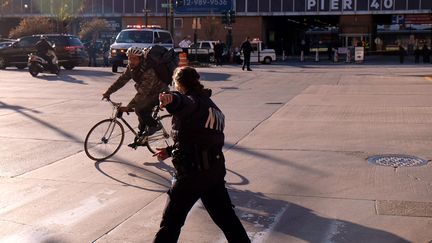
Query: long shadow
x=267, y=157
x=16, y=107
x=137, y=172
x=268, y=215
x=20, y=110
x=214, y=77
x=61, y=77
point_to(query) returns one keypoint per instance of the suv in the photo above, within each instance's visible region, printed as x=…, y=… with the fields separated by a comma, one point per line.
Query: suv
x=68, y=48
x=205, y=51
x=137, y=36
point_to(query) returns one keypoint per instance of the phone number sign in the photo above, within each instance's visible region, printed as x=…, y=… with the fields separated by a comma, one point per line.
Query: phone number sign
x=204, y=6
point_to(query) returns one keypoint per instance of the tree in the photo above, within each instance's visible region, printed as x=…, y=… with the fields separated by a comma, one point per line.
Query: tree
x=91, y=29
x=27, y=26
x=211, y=26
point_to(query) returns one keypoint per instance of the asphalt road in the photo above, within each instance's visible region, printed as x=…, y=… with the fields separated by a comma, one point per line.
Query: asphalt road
x=297, y=142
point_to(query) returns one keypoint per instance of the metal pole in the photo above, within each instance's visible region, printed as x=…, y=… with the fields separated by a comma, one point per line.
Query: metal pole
x=172, y=17
x=166, y=16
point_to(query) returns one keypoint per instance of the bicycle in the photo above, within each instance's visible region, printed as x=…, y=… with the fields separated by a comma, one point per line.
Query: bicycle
x=106, y=137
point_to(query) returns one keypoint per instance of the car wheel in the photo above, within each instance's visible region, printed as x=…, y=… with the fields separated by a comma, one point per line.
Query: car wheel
x=3, y=63
x=267, y=60
x=68, y=67
x=21, y=66
x=114, y=68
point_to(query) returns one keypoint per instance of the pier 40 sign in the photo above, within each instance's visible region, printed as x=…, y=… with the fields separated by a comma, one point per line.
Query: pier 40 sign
x=349, y=5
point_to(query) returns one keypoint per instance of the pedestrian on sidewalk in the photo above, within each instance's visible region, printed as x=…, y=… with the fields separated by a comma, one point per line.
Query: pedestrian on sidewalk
x=425, y=53
x=401, y=53
x=246, y=47
x=197, y=156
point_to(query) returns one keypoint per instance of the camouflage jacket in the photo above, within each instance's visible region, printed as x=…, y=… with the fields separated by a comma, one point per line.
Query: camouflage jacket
x=147, y=85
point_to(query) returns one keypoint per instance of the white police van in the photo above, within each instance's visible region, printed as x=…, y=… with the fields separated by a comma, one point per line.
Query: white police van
x=140, y=36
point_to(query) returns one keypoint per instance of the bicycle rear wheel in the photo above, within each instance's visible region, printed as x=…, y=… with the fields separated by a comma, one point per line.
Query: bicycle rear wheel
x=104, y=139
x=161, y=138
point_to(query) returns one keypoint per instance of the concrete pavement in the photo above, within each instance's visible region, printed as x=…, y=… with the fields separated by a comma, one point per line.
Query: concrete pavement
x=297, y=140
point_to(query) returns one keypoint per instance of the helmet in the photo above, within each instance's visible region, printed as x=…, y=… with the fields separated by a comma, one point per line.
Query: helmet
x=134, y=51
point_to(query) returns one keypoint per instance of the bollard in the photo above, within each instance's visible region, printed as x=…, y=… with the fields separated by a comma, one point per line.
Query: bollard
x=348, y=57
x=283, y=55
x=316, y=56
x=335, y=57
x=302, y=56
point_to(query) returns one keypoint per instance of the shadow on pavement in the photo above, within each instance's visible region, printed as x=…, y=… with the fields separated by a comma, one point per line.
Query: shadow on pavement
x=269, y=215
x=134, y=172
x=213, y=77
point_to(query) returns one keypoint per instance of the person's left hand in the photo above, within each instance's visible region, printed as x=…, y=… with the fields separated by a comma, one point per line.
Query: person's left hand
x=125, y=109
x=161, y=154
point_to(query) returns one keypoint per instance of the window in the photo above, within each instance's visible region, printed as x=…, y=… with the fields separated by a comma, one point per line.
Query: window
x=178, y=23
x=252, y=6
x=139, y=6
x=263, y=6
x=118, y=6
x=206, y=45
x=129, y=6
x=276, y=6
x=97, y=6
x=135, y=37
x=165, y=38
x=28, y=41
x=240, y=6
x=108, y=6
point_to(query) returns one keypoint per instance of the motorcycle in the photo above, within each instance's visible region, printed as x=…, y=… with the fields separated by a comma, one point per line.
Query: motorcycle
x=38, y=65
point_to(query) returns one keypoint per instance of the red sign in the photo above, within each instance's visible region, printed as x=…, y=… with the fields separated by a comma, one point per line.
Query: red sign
x=418, y=19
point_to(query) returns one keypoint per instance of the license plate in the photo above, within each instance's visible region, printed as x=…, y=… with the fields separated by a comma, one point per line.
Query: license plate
x=125, y=62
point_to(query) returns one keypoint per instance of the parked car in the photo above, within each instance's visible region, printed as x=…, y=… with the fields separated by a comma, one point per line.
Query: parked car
x=68, y=48
x=5, y=44
x=205, y=51
x=139, y=36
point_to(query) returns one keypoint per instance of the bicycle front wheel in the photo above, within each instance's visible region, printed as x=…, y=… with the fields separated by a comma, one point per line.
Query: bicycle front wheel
x=161, y=138
x=104, y=139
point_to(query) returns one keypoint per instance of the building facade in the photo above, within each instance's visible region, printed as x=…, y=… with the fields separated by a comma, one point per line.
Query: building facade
x=380, y=25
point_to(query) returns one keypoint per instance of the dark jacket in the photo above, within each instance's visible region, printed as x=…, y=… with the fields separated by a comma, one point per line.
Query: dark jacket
x=246, y=47
x=197, y=130
x=43, y=46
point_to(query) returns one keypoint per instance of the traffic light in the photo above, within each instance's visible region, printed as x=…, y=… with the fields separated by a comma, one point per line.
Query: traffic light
x=231, y=16
x=225, y=17
x=179, y=3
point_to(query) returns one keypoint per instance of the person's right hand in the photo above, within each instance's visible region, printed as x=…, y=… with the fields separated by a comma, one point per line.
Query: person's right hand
x=161, y=154
x=165, y=99
x=105, y=96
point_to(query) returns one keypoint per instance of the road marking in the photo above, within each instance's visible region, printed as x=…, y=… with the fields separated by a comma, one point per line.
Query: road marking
x=263, y=235
x=333, y=230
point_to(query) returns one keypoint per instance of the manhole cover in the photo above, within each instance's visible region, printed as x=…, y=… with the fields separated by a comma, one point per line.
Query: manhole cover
x=274, y=103
x=397, y=160
x=229, y=88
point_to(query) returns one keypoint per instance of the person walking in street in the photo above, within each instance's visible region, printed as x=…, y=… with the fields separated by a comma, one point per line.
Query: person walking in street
x=426, y=53
x=218, y=51
x=147, y=85
x=105, y=50
x=92, y=51
x=247, y=49
x=198, y=134
x=184, y=44
x=401, y=53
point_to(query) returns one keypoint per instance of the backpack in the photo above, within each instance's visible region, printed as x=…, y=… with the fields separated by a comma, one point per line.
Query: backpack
x=163, y=61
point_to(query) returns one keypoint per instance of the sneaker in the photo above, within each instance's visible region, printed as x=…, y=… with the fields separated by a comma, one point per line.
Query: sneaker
x=151, y=130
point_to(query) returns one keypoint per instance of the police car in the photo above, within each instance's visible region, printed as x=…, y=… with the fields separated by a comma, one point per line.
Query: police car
x=260, y=54
x=140, y=36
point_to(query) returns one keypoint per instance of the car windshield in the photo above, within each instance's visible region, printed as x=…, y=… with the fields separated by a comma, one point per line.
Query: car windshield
x=135, y=37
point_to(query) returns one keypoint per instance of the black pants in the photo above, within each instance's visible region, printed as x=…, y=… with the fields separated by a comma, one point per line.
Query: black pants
x=246, y=61
x=145, y=116
x=214, y=196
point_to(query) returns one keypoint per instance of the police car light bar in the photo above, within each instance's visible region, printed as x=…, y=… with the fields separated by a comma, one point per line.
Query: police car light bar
x=140, y=26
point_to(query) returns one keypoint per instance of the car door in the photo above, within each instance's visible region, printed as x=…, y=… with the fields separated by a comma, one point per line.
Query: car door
x=21, y=49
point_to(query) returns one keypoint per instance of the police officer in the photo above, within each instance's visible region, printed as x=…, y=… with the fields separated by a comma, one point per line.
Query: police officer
x=197, y=156
x=147, y=85
x=246, y=47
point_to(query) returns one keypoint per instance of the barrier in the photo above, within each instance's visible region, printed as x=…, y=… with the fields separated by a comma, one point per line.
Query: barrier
x=183, y=59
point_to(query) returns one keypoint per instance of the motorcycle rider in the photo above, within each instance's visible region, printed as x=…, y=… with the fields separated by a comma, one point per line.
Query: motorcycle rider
x=42, y=48
x=147, y=85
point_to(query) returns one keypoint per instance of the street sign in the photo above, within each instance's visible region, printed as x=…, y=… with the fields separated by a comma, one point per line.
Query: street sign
x=204, y=6
x=165, y=5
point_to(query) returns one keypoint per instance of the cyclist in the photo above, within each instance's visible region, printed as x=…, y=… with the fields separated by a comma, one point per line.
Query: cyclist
x=147, y=85
x=42, y=48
